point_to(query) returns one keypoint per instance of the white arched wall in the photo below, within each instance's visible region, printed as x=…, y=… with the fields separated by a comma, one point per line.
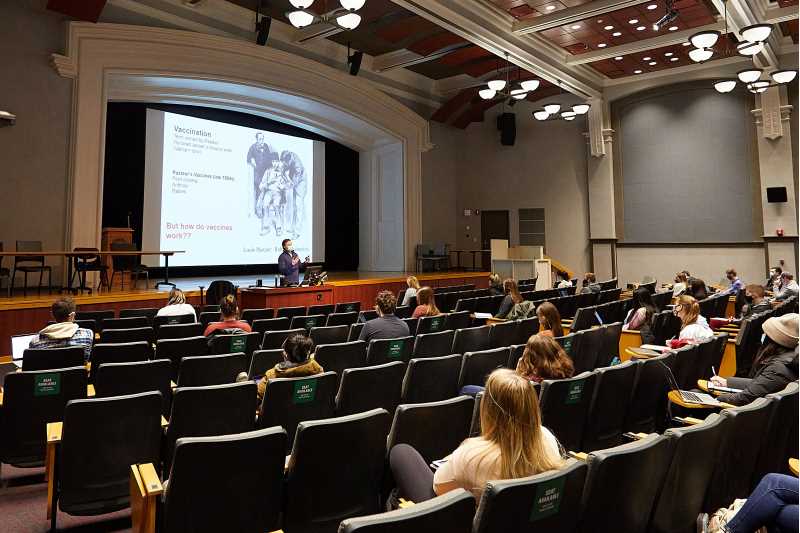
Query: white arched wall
x=110, y=62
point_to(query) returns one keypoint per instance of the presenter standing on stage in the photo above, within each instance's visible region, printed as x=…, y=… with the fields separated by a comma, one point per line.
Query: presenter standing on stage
x=289, y=263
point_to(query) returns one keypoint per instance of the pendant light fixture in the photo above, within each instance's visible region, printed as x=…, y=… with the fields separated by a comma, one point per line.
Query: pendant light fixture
x=487, y=94
x=783, y=76
x=552, y=108
x=352, y=5
x=529, y=85
x=725, y=86
x=541, y=114
x=580, y=109
x=698, y=55
x=344, y=16
x=749, y=75
x=496, y=84
x=301, y=4
x=300, y=19
x=349, y=21
x=704, y=39
x=749, y=49
x=756, y=33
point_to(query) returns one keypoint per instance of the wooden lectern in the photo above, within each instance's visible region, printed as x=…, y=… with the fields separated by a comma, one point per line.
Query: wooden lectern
x=114, y=235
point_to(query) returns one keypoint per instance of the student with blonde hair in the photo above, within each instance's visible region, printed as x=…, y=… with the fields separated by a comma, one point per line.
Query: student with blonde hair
x=495, y=284
x=513, y=444
x=411, y=291
x=426, y=304
x=694, y=327
x=176, y=305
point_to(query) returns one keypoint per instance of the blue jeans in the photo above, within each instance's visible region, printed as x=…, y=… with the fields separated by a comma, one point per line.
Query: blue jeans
x=773, y=504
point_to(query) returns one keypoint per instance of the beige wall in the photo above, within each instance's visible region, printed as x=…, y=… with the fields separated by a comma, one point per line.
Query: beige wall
x=33, y=153
x=439, y=184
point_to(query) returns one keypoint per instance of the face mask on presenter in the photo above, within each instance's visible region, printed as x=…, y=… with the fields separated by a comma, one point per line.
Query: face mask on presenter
x=289, y=248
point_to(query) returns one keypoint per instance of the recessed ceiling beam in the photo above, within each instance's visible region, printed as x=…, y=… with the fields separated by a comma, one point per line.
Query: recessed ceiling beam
x=316, y=31
x=570, y=15
x=776, y=15
x=406, y=58
x=740, y=15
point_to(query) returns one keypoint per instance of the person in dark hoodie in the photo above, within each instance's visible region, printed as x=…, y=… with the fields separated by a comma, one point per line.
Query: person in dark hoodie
x=65, y=332
x=297, y=362
x=774, y=366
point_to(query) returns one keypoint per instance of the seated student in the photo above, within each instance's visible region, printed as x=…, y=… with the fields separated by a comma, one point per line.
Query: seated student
x=549, y=320
x=641, y=316
x=772, y=506
x=680, y=285
x=544, y=358
x=774, y=279
x=694, y=327
x=735, y=283
x=513, y=306
x=495, y=285
x=590, y=283
x=756, y=301
x=426, y=304
x=65, y=332
x=563, y=282
x=176, y=305
x=774, y=366
x=513, y=444
x=787, y=287
x=411, y=291
x=387, y=325
x=230, y=319
x=297, y=362
x=697, y=289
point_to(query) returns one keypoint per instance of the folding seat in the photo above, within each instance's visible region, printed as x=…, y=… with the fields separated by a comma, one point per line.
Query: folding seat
x=177, y=349
x=89, y=456
x=208, y=317
x=571, y=344
x=471, y=339
x=665, y=326
x=681, y=497
x=585, y=300
x=608, y=285
x=434, y=429
x=246, y=343
x=367, y=315
x=289, y=401
x=610, y=295
x=347, y=307
x=290, y=312
x=370, y=387
x=503, y=334
x=115, y=336
x=457, y=320
x=720, y=341
x=780, y=440
x=515, y=354
x=159, y=321
x=46, y=358
x=707, y=307
x=747, y=345
x=431, y=324
x=119, y=379
x=466, y=304
x=475, y=424
x=454, y=508
x=609, y=353
x=204, y=370
x=355, y=331
x=403, y=311
x=684, y=367
x=412, y=325
x=320, y=309
x=97, y=316
x=209, y=308
x=446, y=302
x=275, y=339
x=329, y=334
x=148, y=312
x=342, y=319
x=431, y=379
x=525, y=329
x=433, y=344
x=253, y=488
x=495, y=303
x=662, y=299
x=179, y=331
x=388, y=350
x=249, y=315
x=124, y=323
x=209, y=411
x=476, y=366
x=262, y=325
x=637, y=470
x=31, y=400
x=484, y=304
x=705, y=360
x=612, y=395
x=335, y=471
x=647, y=411
x=307, y=321
x=565, y=405
x=550, y=501
x=589, y=347
x=338, y=357
x=125, y=352
x=262, y=361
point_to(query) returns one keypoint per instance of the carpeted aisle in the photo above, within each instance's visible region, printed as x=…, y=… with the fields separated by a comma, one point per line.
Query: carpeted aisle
x=23, y=507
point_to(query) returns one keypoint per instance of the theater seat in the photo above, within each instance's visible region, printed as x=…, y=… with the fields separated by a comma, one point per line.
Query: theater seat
x=320, y=309
x=370, y=387
x=516, y=351
x=455, y=509
x=335, y=471
x=177, y=349
x=503, y=334
x=119, y=379
x=433, y=344
x=307, y=321
x=338, y=357
x=162, y=320
x=262, y=361
x=648, y=407
x=476, y=366
x=125, y=352
x=780, y=439
x=565, y=405
x=290, y=312
x=457, y=320
x=124, y=323
x=250, y=315
x=525, y=328
x=47, y=358
x=115, y=336
x=347, y=307
x=262, y=325
x=431, y=324
x=342, y=319
x=610, y=401
x=431, y=379
x=275, y=339
x=206, y=370
x=180, y=331
x=382, y=351
x=329, y=334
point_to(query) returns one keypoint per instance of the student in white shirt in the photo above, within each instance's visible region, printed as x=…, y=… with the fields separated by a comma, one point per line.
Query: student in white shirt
x=694, y=327
x=513, y=444
x=176, y=305
x=411, y=291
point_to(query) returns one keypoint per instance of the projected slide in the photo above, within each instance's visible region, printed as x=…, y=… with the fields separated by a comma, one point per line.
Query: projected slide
x=227, y=194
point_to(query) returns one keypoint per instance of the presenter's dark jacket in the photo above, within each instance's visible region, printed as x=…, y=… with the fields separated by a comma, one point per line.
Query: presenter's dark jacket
x=291, y=272
x=765, y=378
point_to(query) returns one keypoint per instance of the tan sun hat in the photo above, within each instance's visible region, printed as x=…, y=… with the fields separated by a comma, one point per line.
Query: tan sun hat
x=783, y=329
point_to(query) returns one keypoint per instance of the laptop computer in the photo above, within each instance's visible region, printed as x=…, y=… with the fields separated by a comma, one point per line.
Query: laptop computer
x=20, y=343
x=699, y=398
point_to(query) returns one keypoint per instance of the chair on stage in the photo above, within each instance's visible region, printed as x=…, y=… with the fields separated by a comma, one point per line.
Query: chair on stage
x=29, y=264
x=89, y=262
x=128, y=264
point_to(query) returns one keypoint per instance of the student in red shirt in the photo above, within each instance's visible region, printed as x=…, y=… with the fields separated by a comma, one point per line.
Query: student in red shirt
x=230, y=319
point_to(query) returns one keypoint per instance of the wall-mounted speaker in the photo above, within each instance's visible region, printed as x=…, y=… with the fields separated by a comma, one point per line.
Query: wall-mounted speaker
x=506, y=123
x=776, y=195
x=354, y=60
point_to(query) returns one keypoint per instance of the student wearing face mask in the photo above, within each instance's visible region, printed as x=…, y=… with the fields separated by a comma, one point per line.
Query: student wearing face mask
x=694, y=327
x=289, y=263
x=735, y=283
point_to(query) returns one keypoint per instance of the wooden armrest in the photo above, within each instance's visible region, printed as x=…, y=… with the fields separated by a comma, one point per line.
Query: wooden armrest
x=173, y=384
x=404, y=504
x=794, y=465
x=578, y=455
x=54, y=430
x=702, y=384
x=1, y=398
x=164, y=422
x=90, y=391
x=145, y=487
x=689, y=420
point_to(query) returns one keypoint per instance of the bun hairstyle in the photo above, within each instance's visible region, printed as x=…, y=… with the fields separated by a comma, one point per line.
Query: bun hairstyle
x=228, y=307
x=298, y=348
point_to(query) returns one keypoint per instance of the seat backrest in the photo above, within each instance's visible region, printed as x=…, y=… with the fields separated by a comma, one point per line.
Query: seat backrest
x=572, y=345
x=113, y=336
x=355, y=331
x=100, y=440
x=262, y=325
x=780, y=439
x=249, y=315
x=48, y=358
x=565, y=405
x=367, y=315
x=119, y=379
x=30, y=401
x=431, y=324
x=370, y=387
x=340, y=356
x=161, y=320
x=208, y=308
x=254, y=488
x=289, y=401
x=307, y=321
x=705, y=360
x=681, y=498
x=434, y=429
x=647, y=410
x=665, y=326
x=290, y=312
x=525, y=328
x=203, y=370
x=348, y=307
x=475, y=423
x=684, y=366
x=388, y=350
x=662, y=299
x=177, y=349
x=431, y=379
x=503, y=334
x=609, y=353
x=320, y=309
x=484, y=304
x=97, y=316
x=207, y=317
x=276, y=338
x=476, y=366
x=457, y=320
x=588, y=353
x=29, y=246
x=146, y=312
x=124, y=323
x=550, y=501
x=515, y=354
x=179, y=331
x=246, y=343
x=329, y=334
x=609, y=407
x=123, y=352
x=637, y=469
x=262, y=361
x=412, y=325
x=707, y=306
x=403, y=311
x=720, y=342
x=210, y=411
x=433, y=344
x=329, y=455
x=342, y=319
x=454, y=508
x=466, y=304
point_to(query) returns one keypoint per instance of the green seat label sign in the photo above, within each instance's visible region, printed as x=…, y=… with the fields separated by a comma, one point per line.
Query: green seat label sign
x=47, y=385
x=395, y=348
x=548, y=499
x=575, y=392
x=238, y=343
x=436, y=323
x=304, y=391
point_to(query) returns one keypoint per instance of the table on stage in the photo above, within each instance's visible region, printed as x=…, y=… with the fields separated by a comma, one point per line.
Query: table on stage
x=72, y=254
x=275, y=297
x=475, y=266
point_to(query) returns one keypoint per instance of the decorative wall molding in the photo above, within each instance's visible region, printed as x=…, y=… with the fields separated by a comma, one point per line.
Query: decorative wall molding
x=771, y=115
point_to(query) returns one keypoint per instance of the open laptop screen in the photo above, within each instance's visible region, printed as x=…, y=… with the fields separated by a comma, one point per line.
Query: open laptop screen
x=19, y=343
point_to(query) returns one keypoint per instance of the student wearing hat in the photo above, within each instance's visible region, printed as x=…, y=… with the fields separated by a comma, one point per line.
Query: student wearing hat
x=774, y=366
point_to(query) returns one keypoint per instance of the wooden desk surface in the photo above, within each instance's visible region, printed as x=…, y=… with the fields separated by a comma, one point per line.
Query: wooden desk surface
x=89, y=253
